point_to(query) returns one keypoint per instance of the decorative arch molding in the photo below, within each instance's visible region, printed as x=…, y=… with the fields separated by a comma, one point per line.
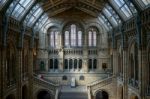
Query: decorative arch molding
x=54, y=25
x=131, y=42
x=73, y=21
x=97, y=25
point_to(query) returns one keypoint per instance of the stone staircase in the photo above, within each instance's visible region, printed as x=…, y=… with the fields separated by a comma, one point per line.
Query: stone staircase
x=67, y=92
x=73, y=95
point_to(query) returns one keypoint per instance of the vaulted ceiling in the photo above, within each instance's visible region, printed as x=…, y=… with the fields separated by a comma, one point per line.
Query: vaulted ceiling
x=36, y=14
x=92, y=7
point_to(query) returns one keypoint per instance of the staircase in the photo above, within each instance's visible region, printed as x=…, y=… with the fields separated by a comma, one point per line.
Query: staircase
x=73, y=93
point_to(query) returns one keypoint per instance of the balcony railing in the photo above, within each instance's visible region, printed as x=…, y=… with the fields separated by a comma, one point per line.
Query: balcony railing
x=134, y=83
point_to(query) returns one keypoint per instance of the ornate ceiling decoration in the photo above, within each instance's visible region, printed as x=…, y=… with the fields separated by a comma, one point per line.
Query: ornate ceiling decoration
x=92, y=7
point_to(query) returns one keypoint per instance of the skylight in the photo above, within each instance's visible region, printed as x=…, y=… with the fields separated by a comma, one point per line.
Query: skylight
x=2, y=3
x=111, y=15
x=21, y=8
x=105, y=22
x=41, y=21
x=143, y=3
x=33, y=15
x=123, y=7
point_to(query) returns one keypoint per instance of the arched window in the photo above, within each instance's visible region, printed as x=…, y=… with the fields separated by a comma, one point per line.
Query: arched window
x=70, y=64
x=92, y=37
x=75, y=64
x=56, y=64
x=73, y=36
x=51, y=64
x=54, y=38
x=95, y=64
x=66, y=64
x=90, y=63
x=80, y=64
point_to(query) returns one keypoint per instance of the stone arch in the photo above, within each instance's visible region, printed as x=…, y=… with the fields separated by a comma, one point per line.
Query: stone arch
x=68, y=22
x=11, y=96
x=43, y=94
x=94, y=24
x=134, y=97
x=101, y=94
x=24, y=92
x=10, y=62
x=133, y=62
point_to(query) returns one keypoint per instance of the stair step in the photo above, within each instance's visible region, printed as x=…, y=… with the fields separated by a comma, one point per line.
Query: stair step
x=73, y=95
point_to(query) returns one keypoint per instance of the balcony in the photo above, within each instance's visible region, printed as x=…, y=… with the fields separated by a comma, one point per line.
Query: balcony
x=134, y=83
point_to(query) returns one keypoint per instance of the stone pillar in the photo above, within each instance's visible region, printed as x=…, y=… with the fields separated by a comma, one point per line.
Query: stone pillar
x=19, y=73
x=125, y=74
x=46, y=64
x=61, y=53
x=30, y=69
x=114, y=62
x=3, y=69
x=142, y=72
x=61, y=60
x=85, y=54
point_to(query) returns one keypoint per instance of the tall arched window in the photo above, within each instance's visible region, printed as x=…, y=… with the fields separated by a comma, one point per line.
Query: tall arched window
x=66, y=64
x=54, y=38
x=90, y=63
x=80, y=63
x=73, y=36
x=75, y=64
x=92, y=37
x=94, y=64
x=70, y=64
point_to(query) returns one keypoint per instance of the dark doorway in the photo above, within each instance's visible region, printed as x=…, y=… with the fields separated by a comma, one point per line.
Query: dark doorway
x=43, y=95
x=10, y=96
x=24, y=92
x=101, y=95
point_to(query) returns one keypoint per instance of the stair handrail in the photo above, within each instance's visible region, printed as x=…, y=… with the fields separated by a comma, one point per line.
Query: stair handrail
x=100, y=83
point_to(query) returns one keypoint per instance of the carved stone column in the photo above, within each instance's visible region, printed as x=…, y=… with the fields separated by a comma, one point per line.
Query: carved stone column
x=19, y=73
x=30, y=69
x=61, y=62
x=114, y=61
x=142, y=72
x=85, y=54
x=3, y=74
x=125, y=74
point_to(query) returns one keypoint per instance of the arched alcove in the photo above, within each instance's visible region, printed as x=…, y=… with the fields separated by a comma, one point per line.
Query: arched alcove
x=134, y=97
x=24, y=92
x=102, y=95
x=43, y=95
x=11, y=96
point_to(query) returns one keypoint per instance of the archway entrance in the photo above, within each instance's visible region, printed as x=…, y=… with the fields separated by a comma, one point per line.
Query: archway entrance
x=134, y=97
x=102, y=95
x=10, y=96
x=44, y=95
x=120, y=92
x=24, y=92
